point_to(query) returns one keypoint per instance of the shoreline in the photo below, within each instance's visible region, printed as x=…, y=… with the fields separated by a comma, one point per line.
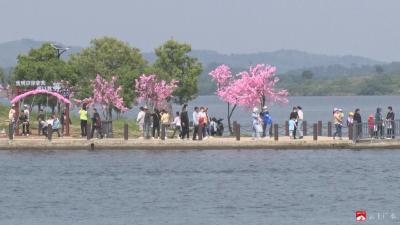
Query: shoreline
x=208, y=144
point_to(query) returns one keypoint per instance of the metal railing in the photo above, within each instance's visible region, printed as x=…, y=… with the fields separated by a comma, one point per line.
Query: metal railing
x=376, y=131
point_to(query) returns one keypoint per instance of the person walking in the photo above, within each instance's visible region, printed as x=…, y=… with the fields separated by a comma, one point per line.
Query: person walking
x=357, y=123
x=147, y=122
x=294, y=116
x=390, y=123
x=338, y=121
x=300, y=118
x=140, y=121
x=184, y=122
x=195, y=123
x=96, y=124
x=379, y=123
x=178, y=125
x=83, y=116
x=165, y=121
x=40, y=117
x=256, y=124
x=156, y=123
x=27, y=116
x=267, y=121
x=12, y=119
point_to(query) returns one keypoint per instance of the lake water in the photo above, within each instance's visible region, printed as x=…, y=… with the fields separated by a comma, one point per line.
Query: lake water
x=258, y=187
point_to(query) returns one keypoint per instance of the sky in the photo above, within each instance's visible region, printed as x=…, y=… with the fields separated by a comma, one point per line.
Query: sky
x=367, y=28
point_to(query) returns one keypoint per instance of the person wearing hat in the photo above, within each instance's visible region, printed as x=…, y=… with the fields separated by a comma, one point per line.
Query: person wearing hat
x=256, y=128
x=267, y=121
x=350, y=119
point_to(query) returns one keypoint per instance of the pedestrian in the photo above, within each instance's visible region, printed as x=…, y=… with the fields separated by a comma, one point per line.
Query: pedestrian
x=294, y=115
x=338, y=121
x=358, y=123
x=40, y=117
x=267, y=121
x=184, y=122
x=379, y=123
x=300, y=119
x=12, y=119
x=27, y=115
x=177, y=125
x=140, y=121
x=83, y=116
x=390, y=124
x=195, y=118
x=156, y=123
x=64, y=120
x=96, y=124
x=371, y=125
x=256, y=124
x=202, y=122
x=207, y=123
x=23, y=119
x=147, y=122
x=56, y=126
x=350, y=119
x=292, y=129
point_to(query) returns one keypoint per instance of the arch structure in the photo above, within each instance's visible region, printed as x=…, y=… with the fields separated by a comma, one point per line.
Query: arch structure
x=61, y=98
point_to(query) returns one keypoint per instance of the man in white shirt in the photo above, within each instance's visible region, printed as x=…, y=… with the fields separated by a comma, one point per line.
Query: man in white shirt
x=300, y=121
x=140, y=120
x=195, y=122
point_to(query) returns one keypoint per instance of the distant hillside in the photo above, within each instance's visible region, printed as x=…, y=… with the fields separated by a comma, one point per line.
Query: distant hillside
x=10, y=50
x=284, y=60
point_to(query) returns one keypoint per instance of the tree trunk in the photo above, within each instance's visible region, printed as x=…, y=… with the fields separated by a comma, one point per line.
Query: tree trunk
x=109, y=113
x=230, y=113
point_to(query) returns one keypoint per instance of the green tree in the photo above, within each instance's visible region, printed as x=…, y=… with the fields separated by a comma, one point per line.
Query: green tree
x=173, y=62
x=108, y=57
x=43, y=64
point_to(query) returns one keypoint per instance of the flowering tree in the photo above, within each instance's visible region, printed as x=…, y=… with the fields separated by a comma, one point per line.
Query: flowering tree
x=6, y=91
x=154, y=93
x=107, y=94
x=252, y=88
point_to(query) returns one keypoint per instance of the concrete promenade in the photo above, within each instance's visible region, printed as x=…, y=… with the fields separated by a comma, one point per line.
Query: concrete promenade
x=35, y=143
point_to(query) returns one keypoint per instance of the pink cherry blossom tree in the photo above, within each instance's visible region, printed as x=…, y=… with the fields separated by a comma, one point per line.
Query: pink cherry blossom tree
x=249, y=89
x=154, y=93
x=107, y=94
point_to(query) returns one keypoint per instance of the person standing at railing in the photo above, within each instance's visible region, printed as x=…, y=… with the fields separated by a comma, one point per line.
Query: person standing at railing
x=358, y=123
x=338, y=121
x=300, y=118
x=267, y=121
x=379, y=123
x=390, y=123
x=185, y=122
x=294, y=115
x=83, y=116
x=256, y=124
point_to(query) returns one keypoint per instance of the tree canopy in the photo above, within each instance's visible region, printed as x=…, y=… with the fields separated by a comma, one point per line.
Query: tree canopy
x=174, y=63
x=109, y=57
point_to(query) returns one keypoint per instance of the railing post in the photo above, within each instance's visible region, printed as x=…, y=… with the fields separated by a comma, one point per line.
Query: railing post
x=329, y=129
x=351, y=132
x=125, y=131
x=276, y=134
x=163, y=133
x=287, y=128
x=320, y=128
x=237, y=131
x=234, y=127
x=270, y=131
x=304, y=128
x=49, y=132
x=315, y=132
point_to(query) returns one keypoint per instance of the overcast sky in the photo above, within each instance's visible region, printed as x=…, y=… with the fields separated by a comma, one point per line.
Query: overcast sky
x=358, y=27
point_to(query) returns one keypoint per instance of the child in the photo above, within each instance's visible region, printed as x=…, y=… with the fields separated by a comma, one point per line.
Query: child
x=371, y=125
x=177, y=123
x=292, y=128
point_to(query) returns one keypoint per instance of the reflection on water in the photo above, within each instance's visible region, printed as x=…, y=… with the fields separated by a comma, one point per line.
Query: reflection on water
x=197, y=187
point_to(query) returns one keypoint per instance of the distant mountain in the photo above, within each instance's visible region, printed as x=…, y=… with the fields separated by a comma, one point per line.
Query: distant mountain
x=284, y=60
x=10, y=50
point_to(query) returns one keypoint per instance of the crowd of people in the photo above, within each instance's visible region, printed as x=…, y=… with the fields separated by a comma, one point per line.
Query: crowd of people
x=151, y=122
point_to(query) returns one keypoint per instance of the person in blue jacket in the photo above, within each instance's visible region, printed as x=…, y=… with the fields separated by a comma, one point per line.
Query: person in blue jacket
x=267, y=121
